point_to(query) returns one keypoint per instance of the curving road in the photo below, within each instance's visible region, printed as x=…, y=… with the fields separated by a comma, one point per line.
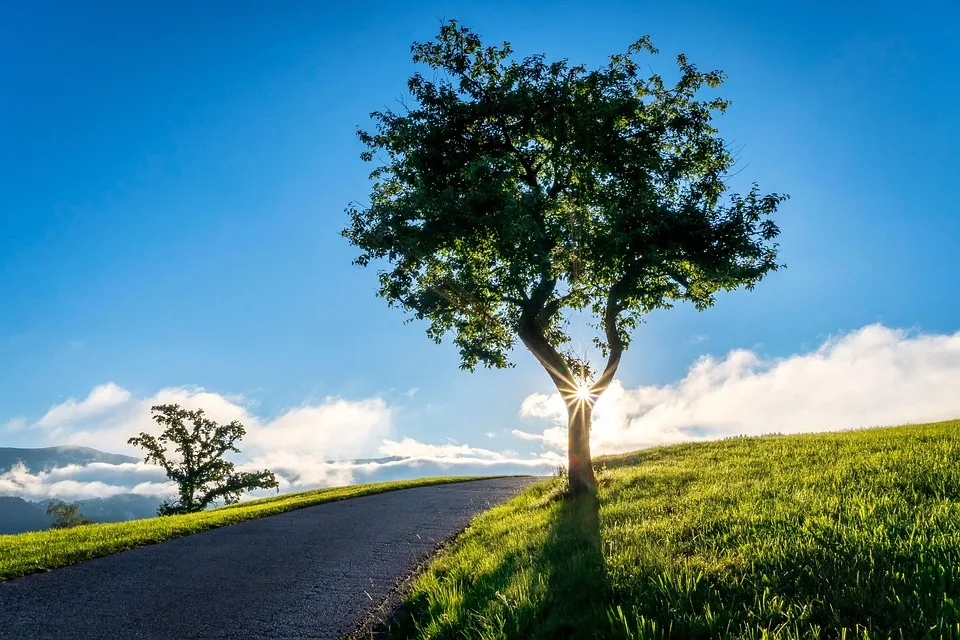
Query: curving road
x=311, y=573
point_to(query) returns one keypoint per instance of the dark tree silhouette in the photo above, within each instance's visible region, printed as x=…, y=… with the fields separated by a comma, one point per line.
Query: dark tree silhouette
x=513, y=192
x=197, y=464
x=66, y=515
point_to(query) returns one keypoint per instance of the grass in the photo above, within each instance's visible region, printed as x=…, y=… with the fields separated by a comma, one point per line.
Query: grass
x=837, y=535
x=26, y=553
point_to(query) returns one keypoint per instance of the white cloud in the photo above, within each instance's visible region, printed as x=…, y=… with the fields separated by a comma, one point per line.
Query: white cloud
x=409, y=447
x=72, y=415
x=100, y=399
x=870, y=377
x=14, y=425
x=334, y=430
x=110, y=415
x=299, y=471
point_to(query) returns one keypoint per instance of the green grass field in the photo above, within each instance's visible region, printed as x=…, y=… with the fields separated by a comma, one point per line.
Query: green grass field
x=837, y=535
x=26, y=553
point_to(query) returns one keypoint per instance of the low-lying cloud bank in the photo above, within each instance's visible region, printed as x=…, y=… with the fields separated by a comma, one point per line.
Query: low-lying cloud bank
x=83, y=482
x=870, y=377
x=295, y=473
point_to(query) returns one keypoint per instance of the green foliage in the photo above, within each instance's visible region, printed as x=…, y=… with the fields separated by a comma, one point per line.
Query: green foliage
x=66, y=515
x=26, y=553
x=834, y=535
x=511, y=191
x=197, y=464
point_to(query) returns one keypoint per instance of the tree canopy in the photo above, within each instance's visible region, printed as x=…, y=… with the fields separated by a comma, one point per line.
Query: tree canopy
x=511, y=192
x=196, y=463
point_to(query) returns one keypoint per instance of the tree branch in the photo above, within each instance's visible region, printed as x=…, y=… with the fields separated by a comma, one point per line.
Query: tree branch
x=678, y=278
x=529, y=172
x=551, y=359
x=531, y=332
x=614, y=343
x=541, y=292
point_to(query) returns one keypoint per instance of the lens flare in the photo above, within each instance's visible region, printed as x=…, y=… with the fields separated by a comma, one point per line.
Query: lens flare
x=583, y=391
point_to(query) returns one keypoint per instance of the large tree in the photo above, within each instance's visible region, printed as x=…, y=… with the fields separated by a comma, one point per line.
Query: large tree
x=196, y=460
x=510, y=194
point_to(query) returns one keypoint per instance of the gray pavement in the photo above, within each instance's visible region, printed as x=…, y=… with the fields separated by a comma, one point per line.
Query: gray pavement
x=311, y=573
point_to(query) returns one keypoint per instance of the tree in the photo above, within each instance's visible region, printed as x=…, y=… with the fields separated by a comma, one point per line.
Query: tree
x=198, y=467
x=66, y=515
x=514, y=193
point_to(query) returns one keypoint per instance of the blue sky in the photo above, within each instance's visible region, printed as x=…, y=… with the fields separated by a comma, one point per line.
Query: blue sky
x=173, y=178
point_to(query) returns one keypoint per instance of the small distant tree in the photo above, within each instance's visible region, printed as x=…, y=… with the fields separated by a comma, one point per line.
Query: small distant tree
x=66, y=515
x=511, y=194
x=196, y=463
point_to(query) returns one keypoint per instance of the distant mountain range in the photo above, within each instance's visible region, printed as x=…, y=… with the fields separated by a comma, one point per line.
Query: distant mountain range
x=48, y=458
x=18, y=515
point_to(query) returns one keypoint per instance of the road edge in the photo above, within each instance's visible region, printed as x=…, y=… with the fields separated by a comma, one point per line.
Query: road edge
x=390, y=610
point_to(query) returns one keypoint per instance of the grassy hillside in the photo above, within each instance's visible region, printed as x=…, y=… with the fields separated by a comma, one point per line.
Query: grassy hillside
x=26, y=553
x=840, y=535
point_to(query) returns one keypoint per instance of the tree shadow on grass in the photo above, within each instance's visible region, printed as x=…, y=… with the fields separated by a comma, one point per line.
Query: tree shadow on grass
x=555, y=590
x=577, y=590
x=567, y=592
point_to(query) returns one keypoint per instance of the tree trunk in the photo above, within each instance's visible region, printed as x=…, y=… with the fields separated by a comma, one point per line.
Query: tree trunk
x=580, y=464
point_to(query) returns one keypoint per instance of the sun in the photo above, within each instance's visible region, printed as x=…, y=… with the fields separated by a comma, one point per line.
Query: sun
x=583, y=391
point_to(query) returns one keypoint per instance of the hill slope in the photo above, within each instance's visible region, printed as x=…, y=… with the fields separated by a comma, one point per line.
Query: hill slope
x=853, y=534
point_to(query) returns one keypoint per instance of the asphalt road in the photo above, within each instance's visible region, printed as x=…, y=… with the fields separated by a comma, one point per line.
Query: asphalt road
x=311, y=573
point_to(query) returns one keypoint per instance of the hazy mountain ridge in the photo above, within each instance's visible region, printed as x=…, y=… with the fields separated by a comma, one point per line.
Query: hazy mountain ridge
x=46, y=458
x=18, y=515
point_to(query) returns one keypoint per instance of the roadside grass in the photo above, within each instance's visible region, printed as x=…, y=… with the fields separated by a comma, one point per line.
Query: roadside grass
x=26, y=553
x=833, y=535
